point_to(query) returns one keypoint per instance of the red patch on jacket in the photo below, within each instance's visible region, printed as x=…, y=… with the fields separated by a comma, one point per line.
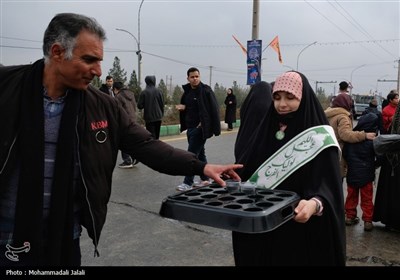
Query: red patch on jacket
x=99, y=125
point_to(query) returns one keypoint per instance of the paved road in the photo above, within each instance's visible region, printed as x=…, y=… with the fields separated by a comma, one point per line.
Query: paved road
x=135, y=234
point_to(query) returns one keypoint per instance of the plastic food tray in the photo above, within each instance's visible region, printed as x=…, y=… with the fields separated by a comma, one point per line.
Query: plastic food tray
x=214, y=206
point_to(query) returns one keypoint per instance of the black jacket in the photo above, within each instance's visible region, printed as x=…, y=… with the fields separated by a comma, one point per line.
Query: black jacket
x=152, y=101
x=360, y=157
x=99, y=115
x=208, y=109
x=104, y=88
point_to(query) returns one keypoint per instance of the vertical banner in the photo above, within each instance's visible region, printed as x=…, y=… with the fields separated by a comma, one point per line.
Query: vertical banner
x=253, y=61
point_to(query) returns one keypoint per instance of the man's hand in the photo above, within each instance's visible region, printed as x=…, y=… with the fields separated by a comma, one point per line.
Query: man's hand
x=215, y=171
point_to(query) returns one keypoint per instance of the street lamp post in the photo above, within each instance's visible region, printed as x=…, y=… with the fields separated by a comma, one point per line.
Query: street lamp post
x=137, y=52
x=297, y=68
x=351, y=76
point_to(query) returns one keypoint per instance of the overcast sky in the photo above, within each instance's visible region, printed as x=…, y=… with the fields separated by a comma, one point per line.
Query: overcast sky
x=356, y=40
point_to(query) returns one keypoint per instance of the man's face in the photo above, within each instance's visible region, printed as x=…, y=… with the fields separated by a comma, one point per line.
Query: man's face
x=194, y=79
x=109, y=83
x=85, y=64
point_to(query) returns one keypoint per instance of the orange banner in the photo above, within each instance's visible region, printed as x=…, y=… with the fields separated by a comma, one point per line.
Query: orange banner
x=275, y=45
x=241, y=46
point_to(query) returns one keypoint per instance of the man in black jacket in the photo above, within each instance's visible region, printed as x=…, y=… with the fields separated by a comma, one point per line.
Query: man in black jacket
x=199, y=116
x=59, y=147
x=107, y=88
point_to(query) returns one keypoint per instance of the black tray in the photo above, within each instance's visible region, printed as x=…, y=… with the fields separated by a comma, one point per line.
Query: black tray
x=214, y=206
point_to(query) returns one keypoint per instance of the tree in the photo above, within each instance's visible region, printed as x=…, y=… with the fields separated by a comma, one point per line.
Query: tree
x=323, y=99
x=220, y=93
x=134, y=85
x=163, y=88
x=176, y=95
x=117, y=72
x=240, y=93
x=96, y=82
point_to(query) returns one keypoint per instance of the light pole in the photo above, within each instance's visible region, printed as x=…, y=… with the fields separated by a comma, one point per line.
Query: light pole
x=297, y=68
x=351, y=76
x=138, y=51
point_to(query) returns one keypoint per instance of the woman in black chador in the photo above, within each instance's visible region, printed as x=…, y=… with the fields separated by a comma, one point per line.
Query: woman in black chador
x=316, y=235
x=387, y=199
x=230, y=111
x=253, y=110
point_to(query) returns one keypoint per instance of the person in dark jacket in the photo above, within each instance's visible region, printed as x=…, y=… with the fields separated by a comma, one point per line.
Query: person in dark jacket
x=361, y=165
x=107, y=88
x=387, y=206
x=151, y=100
x=230, y=110
x=199, y=115
x=373, y=108
x=253, y=110
x=128, y=102
x=59, y=147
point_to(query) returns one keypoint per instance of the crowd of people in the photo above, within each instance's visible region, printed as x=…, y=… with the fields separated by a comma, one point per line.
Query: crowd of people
x=61, y=143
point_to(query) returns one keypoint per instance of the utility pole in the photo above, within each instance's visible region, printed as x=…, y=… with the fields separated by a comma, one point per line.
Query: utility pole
x=139, y=51
x=398, y=76
x=322, y=82
x=210, y=75
x=256, y=17
x=391, y=81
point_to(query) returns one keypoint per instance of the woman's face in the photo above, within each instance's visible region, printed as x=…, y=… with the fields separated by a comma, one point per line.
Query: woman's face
x=285, y=102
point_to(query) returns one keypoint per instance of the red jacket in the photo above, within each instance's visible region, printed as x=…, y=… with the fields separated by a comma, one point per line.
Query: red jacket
x=387, y=116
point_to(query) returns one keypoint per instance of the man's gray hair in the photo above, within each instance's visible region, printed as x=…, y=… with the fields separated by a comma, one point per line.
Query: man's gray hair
x=64, y=28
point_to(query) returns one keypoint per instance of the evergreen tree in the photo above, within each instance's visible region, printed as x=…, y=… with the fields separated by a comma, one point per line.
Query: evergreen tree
x=117, y=72
x=163, y=88
x=176, y=95
x=133, y=85
x=240, y=93
x=220, y=94
x=96, y=82
x=323, y=99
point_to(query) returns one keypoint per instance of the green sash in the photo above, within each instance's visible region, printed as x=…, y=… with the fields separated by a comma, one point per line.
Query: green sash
x=297, y=152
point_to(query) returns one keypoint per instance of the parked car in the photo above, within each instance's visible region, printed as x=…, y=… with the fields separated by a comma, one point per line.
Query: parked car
x=361, y=102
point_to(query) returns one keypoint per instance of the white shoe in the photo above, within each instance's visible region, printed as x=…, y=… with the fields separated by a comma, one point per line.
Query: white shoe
x=125, y=165
x=202, y=183
x=183, y=187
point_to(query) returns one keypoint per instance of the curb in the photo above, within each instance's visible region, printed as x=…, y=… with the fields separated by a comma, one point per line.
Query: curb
x=168, y=130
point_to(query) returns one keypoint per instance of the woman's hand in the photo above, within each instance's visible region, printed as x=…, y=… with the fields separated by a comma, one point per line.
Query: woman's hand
x=304, y=210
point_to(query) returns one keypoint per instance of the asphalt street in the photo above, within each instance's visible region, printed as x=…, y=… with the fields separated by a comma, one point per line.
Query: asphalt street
x=136, y=235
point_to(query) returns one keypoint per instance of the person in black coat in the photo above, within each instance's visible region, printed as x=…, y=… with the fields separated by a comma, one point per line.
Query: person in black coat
x=373, y=108
x=387, y=206
x=107, y=88
x=151, y=100
x=254, y=108
x=230, y=111
x=361, y=164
